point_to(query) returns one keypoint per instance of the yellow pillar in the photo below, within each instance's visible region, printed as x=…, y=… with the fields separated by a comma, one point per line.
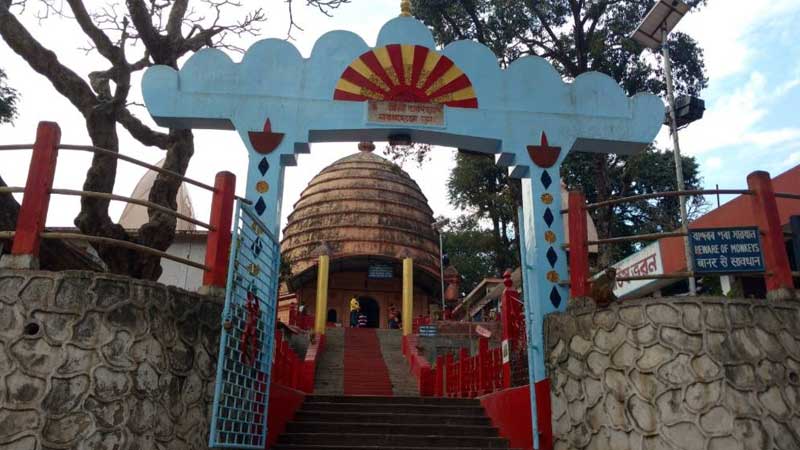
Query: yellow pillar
x=322, y=294
x=408, y=295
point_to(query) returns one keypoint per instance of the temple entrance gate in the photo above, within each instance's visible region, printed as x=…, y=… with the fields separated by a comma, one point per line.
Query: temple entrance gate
x=404, y=89
x=241, y=396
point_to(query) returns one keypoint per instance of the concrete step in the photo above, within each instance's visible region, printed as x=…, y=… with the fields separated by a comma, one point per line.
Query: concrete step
x=386, y=440
x=401, y=408
x=383, y=400
x=417, y=429
x=390, y=417
x=371, y=447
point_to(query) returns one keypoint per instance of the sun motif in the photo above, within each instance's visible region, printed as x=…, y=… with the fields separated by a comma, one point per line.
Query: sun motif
x=406, y=73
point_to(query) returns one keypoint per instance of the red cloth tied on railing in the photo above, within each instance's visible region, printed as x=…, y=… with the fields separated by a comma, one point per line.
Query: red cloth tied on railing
x=249, y=343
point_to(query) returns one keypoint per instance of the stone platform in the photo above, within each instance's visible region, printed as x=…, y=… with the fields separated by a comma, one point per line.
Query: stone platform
x=676, y=373
x=98, y=361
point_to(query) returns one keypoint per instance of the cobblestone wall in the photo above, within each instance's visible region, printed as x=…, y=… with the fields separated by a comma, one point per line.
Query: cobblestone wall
x=103, y=362
x=705, y=374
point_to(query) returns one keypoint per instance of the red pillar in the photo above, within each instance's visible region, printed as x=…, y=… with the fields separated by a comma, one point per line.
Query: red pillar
x=578, y=247
x=765, y=208
x=219, y=238
x=33, y=211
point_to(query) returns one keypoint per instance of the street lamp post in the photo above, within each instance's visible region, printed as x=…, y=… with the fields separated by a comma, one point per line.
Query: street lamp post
x=437, y=226
x=652, y=33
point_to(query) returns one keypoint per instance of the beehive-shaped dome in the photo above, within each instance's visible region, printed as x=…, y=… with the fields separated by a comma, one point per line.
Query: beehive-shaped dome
x=363, y=207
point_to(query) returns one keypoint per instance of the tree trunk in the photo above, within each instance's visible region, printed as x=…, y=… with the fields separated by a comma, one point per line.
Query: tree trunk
x=93, y=218
x=603, y=215
x=159, y=232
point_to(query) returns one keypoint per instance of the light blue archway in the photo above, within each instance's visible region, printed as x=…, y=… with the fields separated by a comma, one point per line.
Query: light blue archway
x=526, y=116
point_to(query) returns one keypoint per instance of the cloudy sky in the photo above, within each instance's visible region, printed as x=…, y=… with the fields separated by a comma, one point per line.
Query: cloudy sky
x=752, y=60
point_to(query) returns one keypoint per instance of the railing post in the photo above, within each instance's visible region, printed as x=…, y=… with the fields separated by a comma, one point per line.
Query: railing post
x=218, y=243
x=450, y=375
x=463, y=371
x=507, y=318
x=33, y=211
x=578, y=247
x=438, y=382
x=779, y=281
x=483, y=365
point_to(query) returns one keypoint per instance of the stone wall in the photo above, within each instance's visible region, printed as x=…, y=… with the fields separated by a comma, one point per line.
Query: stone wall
x=98, y=361
x=699, y=374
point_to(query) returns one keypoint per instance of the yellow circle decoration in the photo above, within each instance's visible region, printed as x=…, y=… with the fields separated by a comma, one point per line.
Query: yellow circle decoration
x=547, y=198
x=549, y=236
x=262, y=187
x=553, y=277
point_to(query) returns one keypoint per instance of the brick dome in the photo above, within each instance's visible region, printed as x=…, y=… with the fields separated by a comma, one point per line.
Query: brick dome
x=366, y=209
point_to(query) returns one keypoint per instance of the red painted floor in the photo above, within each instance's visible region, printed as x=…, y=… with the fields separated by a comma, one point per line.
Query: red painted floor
x=365, y=372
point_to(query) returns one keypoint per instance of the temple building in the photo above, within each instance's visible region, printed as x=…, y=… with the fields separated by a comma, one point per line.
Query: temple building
x=367, y=214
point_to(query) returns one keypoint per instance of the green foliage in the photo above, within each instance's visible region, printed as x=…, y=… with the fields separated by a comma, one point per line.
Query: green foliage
x=478, y=187
x=577, y=37
x=644, y=173
x=471, y=249
x=516, y=28
x=8, y=100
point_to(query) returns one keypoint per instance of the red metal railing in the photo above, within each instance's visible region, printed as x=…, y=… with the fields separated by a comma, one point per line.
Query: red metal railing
x=300, y=320
x=38, y=189
x=469, y=376
x=419, y=321
x=777, y=274
x=287, y=367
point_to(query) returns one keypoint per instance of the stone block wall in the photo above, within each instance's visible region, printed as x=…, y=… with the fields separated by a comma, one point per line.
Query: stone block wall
x=676, y=373
x=95, y=361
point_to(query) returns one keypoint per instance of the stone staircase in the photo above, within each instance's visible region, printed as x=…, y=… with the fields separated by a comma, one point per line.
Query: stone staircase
x=330, y=375
x=390, y=423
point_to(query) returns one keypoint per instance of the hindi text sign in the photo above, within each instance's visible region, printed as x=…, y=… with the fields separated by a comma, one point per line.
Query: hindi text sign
x=405, y=113
x=726, y=250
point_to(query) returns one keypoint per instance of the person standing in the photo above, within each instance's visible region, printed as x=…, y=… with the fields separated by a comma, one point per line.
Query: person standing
x=394, y=318
x=354, y=309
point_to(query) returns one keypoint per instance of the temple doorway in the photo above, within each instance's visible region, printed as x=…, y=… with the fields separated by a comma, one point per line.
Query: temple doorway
x=332, y=316
x=372, y=310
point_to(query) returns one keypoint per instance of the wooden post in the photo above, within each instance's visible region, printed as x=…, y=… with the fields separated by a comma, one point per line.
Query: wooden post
x=776, y=260
x=33, y=211
x=218, y=242
x=578, y=247
x=408, y=295
x=322, y=294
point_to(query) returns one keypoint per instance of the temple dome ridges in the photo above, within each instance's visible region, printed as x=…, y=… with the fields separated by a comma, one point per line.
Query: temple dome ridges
x=361, y=206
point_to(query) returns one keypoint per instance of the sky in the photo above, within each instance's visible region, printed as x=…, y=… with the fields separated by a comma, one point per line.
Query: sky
x=751, y=122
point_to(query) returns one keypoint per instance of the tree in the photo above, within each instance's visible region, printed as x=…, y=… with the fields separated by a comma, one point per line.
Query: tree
x=8, y=100
x=483, y=190
x=644, y=173
x=576, y=36
x=130, y=36
x=471, y=250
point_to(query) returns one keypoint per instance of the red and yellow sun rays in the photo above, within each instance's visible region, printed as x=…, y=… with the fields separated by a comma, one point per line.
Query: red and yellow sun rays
x=406, y=73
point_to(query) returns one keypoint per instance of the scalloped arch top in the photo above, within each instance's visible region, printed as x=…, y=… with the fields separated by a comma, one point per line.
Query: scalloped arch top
x=408, y=73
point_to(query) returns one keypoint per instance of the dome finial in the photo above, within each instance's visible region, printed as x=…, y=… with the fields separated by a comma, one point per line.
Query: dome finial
x=405, y=8
x=366, y=146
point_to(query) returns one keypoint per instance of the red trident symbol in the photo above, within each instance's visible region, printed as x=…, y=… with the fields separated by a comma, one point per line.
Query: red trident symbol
x=249, y=344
